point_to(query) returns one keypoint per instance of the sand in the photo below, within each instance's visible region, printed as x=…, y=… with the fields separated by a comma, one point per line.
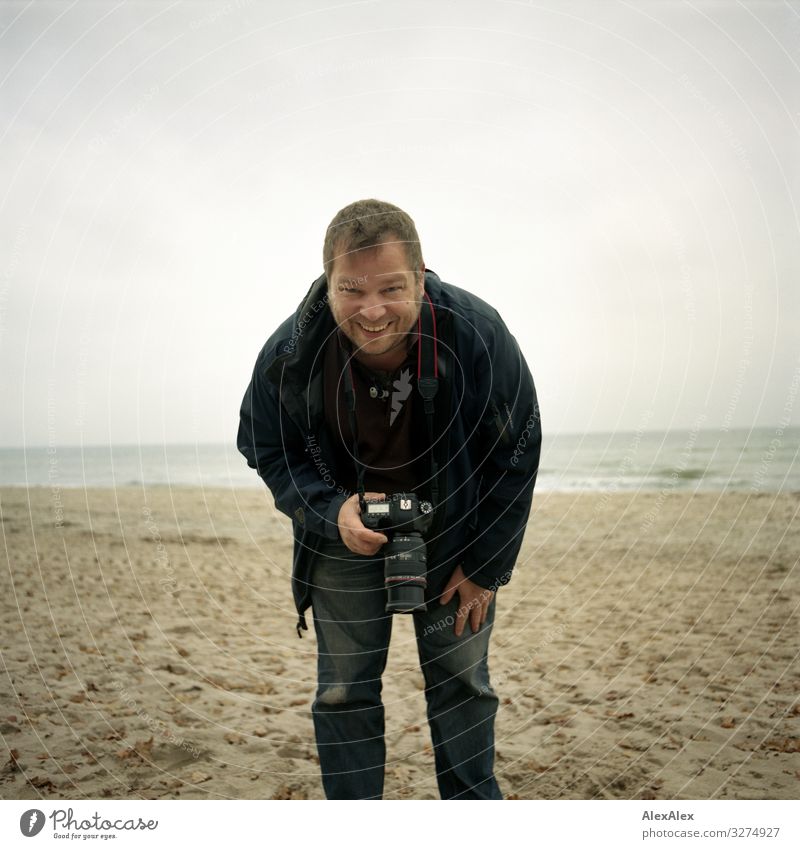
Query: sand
x=647, y=648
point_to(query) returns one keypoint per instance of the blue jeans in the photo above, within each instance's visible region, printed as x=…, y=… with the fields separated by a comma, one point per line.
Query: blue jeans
x=353, y=631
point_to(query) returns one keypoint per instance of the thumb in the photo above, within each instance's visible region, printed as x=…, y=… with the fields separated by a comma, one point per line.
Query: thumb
x=370, y=496
x=450, y=589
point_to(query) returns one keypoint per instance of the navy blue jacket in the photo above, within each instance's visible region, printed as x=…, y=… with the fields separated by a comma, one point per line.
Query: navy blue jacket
x=486, y=425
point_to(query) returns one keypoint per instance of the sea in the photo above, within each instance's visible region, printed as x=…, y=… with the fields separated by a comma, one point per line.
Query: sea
x=756, y=460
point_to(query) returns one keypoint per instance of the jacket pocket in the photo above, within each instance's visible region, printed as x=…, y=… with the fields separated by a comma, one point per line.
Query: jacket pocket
x=500, y=424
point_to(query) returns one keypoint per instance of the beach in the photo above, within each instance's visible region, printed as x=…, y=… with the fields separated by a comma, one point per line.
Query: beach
x=646, y=648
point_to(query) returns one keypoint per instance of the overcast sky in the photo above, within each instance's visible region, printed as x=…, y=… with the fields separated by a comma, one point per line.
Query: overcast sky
x=619, y=179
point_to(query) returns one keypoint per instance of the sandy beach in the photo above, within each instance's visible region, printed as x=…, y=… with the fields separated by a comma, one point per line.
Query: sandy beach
x=647, y=648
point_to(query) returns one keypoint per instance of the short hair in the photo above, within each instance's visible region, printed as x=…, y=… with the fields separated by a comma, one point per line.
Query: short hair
x=366, y=224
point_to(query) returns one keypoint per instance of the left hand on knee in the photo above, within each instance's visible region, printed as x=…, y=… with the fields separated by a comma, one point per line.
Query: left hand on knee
x=473, y=601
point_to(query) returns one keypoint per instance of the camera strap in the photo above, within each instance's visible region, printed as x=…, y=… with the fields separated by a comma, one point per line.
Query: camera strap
x=428, y=381
x=427, y=385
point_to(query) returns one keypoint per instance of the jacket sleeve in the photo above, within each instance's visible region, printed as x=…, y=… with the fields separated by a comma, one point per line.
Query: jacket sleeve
x=509, y=445
x=275, y=448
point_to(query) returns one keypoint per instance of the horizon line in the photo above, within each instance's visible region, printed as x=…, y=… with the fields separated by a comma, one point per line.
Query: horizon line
x=642, y=431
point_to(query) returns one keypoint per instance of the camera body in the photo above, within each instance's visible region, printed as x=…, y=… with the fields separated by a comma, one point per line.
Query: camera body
x=404, y=519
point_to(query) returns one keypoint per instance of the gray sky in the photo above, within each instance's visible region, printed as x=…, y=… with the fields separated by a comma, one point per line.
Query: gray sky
x=619, y=179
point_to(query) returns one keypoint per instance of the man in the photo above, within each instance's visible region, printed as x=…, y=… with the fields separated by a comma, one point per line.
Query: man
x=388, y=380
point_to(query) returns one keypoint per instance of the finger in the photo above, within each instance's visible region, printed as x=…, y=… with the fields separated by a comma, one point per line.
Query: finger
x=461, y=620
x=452, y=586
x=368, y=546
x=353, y=544
x=358, y=545
x=449, y=591
x=368, y=535
x=475, y=619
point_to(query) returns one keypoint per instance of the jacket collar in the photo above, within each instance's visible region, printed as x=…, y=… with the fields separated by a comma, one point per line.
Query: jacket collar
x=311, y=324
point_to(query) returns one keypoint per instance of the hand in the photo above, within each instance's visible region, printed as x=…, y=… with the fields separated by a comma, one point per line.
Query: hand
x=473, y=601
x=359, y=539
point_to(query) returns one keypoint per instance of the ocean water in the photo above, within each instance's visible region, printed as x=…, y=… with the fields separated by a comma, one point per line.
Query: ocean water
x=758, y=460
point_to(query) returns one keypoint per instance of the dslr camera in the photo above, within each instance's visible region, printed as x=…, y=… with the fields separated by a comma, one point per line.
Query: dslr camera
x=404, y=519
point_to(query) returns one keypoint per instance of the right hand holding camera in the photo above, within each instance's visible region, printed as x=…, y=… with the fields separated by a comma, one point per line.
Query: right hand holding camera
x=355, y=536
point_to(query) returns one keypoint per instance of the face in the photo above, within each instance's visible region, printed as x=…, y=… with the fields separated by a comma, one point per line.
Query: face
x=375, y=300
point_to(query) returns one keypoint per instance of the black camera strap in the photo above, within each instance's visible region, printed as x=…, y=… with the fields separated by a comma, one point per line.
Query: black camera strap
x=428, y=381
x=427, y=385
x=350, y=398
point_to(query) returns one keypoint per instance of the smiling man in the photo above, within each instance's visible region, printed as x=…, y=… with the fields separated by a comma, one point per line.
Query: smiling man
x=376, y=302
x=388, y=380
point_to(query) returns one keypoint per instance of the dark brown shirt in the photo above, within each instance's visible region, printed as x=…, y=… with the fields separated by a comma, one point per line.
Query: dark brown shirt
x=389, y=443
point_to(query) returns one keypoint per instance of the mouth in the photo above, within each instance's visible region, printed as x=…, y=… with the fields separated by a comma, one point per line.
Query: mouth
x=373, y=330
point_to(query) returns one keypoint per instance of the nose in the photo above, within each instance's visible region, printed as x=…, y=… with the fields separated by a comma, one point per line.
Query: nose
x=374, y=309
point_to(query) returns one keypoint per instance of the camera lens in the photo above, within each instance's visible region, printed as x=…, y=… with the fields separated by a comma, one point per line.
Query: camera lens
x=405, y=570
